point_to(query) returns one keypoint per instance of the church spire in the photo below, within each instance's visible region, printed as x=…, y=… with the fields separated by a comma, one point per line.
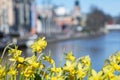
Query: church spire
x=77, y=3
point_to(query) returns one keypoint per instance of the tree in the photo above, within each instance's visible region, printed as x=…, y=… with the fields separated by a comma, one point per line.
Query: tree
x=118, y=19
x=96, y=19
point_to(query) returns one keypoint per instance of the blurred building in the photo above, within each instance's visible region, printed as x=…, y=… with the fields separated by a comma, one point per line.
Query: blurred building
x=62, y=15
x=63, y=18
x=22, y=11
x=54, y=19
x=45, y=22
x=15, y=15
x=6, y=15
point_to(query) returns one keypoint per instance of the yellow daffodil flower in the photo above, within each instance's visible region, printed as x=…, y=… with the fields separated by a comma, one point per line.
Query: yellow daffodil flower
x=81, y=73
x=29, y=72
x=96, y=76
x=13, y=72
x=108, y=71
x=70, y=67
x=31, y=59
x=57, y=70
x=70, y=56
x=86, y=60
x=39, y=45
x=42, y=66
x=35, y=64
x=15, y=52
x=20, y=66
x=18, y=59
x=116, y=66
x=2, y=72
x=57, y=78
x=49, y=59
x=112, y=76
x=42, y=42
x=108, y=68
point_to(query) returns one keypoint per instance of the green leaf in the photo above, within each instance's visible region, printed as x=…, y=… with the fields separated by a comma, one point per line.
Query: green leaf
x=37, y=77
x=0, y=60
x=22, y=77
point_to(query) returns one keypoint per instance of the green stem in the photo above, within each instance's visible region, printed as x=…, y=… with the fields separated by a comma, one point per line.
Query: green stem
x=14, y=77
x=26, y=78
x=45, y=72
x=21, y=77
x=90, y=70
x=39, y=57
x=35, y=53
x=11, y=78
x=54, y=65
x=5, y=50
x=5, y=77
x=32, y=78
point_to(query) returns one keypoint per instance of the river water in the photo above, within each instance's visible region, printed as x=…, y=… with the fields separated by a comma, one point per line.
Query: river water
x=98, y=48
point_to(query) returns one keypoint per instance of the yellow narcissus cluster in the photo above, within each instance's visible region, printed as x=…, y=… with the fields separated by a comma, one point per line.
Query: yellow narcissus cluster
x=34, y=67
x=39, y=45
x=16, y=55
x=110, y=70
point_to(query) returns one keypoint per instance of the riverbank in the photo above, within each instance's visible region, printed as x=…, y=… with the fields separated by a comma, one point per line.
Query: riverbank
x=53, y=38
x=75, y=35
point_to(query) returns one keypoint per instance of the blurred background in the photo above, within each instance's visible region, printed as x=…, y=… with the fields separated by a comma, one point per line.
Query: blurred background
x=85, y=27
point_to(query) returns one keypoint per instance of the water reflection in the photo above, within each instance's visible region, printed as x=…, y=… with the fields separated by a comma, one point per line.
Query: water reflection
x=81, y=47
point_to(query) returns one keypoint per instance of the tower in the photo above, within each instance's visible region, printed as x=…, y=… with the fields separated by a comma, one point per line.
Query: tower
x=77, y=3
x=76, y=13
x=77, y=8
